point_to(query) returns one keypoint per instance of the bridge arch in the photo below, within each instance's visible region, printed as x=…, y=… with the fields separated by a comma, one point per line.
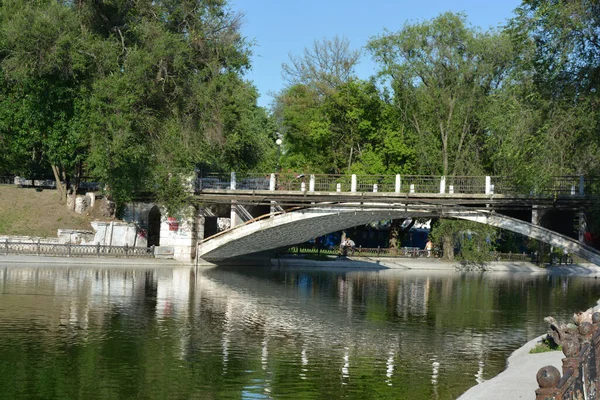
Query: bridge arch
x=302, y=225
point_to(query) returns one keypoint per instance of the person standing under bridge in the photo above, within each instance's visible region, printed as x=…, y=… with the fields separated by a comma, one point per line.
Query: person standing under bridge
x=429, y=247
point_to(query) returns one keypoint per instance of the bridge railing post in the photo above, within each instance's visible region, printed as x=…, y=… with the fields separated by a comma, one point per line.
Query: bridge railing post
x=311, y=184
x=232, y=183
x=442, y=185
x=488, y=184
x=272, y=182
x=581, y=185
x=353, y=184
x=398, y=184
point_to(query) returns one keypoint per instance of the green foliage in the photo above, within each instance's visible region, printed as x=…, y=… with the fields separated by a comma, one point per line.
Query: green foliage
x=475, y=242
x=545, y=346
x=349, y=130
x=128, y=92
x=442, y=72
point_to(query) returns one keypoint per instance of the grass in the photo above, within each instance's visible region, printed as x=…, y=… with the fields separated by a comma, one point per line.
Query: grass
x=27, y=212
x=318, y=257
x=547, y=345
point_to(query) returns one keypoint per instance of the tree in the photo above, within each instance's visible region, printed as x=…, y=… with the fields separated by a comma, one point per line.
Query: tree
x=351, y=130
x=43, y=67
x=324, y=67
x=474, y=241
x=131, y=92
x=560, y=64
x=441, y=72
x=566, y=38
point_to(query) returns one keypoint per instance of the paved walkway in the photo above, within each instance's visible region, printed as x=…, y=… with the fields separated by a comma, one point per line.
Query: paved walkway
x=518, y=380
x=106, y=261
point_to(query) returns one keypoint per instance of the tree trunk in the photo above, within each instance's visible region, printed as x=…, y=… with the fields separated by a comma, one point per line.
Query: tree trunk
x=60, y=188
x=78, y=169
x=395, y=239
x=448, y=244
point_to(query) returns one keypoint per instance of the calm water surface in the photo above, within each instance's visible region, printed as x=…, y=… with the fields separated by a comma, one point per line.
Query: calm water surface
x=258, y=333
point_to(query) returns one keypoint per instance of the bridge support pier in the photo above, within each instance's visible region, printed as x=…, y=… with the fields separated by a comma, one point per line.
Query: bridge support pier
x=182, y=233
x=537, y=214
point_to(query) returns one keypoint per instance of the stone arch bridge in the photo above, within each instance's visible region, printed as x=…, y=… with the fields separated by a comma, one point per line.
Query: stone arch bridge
x=269, y=211
x=301, y=225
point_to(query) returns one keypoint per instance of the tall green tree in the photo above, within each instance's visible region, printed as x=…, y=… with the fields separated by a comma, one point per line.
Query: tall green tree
x=323, y=67
x=135, y=93
x=559, y=61
x=441, y=73
x=44, y=71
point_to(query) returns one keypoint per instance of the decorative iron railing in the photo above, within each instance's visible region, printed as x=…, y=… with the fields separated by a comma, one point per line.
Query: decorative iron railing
x=402, y=184
x=402, y=252
x=580, y=367
x=8, y=247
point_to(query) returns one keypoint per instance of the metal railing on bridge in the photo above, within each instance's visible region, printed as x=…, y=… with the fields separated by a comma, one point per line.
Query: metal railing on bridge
x=404, y=184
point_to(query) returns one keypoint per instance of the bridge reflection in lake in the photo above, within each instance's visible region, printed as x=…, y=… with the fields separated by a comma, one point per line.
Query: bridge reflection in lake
x=267, y=332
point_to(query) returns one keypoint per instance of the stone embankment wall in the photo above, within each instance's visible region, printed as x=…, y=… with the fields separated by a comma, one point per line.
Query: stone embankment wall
x=105, y=234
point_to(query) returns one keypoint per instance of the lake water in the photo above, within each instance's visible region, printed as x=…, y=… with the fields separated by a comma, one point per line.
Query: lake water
x=256, y=333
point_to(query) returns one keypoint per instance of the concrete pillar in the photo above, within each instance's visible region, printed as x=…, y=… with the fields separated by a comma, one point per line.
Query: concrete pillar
x=338, y=187
x=182, y=241
x=353, y=184
x=412, y=188
x=272, y=184
x=234, y=216
x=311, y=184
x=232, y=182
x=536, y=215
x=235, y=219
x=374, y=188
x=398, y=184
x=303, y=186
x=488, y=184
x=451, y=189
x=442, y=185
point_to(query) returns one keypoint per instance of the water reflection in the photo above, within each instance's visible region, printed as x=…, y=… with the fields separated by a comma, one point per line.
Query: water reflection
x=267, y=332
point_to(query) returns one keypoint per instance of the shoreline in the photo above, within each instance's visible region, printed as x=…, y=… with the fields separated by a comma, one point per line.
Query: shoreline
x=341, y=263
x=425, y=264
x=518, y=380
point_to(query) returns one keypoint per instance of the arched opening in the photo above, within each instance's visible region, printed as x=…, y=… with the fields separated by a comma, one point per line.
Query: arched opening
x=154, y=227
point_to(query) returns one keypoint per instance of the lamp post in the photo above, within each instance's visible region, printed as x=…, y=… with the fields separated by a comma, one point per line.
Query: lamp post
x=278, y=143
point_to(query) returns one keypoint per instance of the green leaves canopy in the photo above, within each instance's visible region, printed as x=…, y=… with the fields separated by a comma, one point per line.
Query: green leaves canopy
x=134, y=92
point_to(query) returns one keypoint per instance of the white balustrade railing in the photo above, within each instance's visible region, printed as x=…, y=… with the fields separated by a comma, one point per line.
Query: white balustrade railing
x=406, y=184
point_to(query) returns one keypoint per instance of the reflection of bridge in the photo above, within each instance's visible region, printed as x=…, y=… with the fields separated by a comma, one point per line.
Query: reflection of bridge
x=299, y=211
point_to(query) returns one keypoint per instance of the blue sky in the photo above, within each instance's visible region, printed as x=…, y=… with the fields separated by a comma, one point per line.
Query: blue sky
x=283, y=27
